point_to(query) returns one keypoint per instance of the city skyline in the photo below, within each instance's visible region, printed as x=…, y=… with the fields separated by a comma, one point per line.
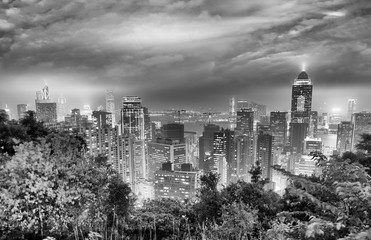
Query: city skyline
x=185, y=54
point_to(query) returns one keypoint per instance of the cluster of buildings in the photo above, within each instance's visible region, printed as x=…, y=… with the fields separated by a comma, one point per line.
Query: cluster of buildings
x=161, y=159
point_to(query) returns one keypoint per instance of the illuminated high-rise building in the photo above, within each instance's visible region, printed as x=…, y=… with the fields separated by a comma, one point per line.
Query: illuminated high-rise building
x=301, y=100
x=148, y=133
x=245, y=155
x=362, y=124
x=313, y=124
x=22, y=109
x=351, y=108
x=232, y=107
x=344, y=137
x=165, y=150
x=278, y=125
x=133, y=129
x=132, y=117
x=61, y=108
x=245, y=121
x=110, y=105
x=206, y=147
x=224, y=157
x=264, y=154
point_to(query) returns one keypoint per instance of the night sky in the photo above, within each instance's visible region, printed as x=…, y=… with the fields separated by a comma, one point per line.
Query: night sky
x=186, y=54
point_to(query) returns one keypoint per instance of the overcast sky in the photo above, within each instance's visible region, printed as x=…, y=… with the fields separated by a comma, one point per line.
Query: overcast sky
x=185, y=53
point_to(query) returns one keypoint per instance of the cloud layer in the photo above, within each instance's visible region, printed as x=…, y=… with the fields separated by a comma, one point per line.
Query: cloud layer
x=183, y=52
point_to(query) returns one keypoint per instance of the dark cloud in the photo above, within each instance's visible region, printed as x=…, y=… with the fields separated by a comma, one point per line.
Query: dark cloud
x=183, y=51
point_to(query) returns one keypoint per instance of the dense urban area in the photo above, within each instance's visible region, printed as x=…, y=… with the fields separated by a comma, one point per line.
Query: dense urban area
x=130, y=173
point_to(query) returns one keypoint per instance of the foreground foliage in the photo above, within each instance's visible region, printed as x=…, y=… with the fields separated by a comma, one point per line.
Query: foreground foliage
x=50, y=188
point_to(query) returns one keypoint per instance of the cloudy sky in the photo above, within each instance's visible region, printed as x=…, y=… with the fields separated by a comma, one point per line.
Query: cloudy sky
x=185, y=53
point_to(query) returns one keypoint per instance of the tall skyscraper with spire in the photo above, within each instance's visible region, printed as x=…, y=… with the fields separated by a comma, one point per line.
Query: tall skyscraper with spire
x=301, y=107
x=301, y=99
x=110, y=105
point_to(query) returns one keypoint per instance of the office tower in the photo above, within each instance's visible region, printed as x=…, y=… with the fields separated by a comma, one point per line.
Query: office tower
x=298, y=132
x=132, y=117
x=278, y=125
x=22, y=109
x=351, y=108
x=232, y=107
x=344, y=137
x=206, y=146
x=46, y=110
x=312, y=145
x=313, y=124
x=110, y=105
x=224, y=161
x=245, y=121
x=173, y=131
x=362, y=124
x=179, y=184
x=165, y=150
x=264, y=154
x=301, y=100
x=245, y=155
x=147, y=125
x=61, y=108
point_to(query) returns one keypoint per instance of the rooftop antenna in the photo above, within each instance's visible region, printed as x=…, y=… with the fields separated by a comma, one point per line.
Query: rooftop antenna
x=303, y=67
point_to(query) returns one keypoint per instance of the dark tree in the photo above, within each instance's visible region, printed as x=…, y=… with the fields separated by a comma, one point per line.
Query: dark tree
x=365, y=143
x=210, y=204
x=256, y=172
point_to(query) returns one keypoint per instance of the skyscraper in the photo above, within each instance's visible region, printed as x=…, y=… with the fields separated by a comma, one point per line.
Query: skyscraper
x=245, y=121
x=351, y=108
x=344, y=137
x=162, y=151
x=301, y=100
x=132, y=128
x=278, y=124
x=206, y=146
x=110, y=105
x=264, y=154
x=224, y=160
x=61, y=108
x=22, y=109
x=132, y=117
x=245, y=155
x=46, y=110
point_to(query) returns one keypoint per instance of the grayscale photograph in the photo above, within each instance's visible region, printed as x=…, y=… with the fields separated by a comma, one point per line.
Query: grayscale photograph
x=185, y=119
